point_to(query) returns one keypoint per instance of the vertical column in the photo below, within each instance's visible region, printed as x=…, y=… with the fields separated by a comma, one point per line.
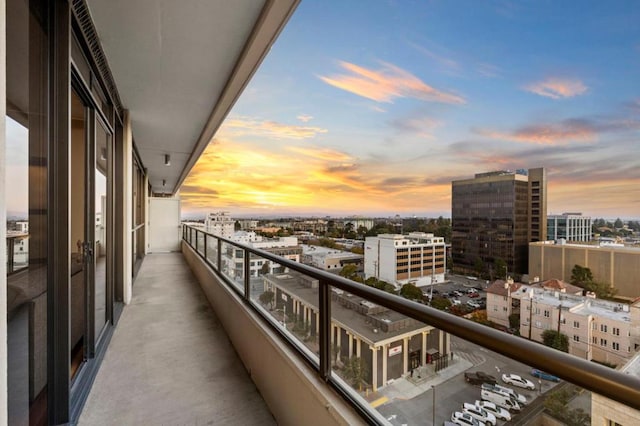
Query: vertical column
x=3, y=216
x=317, y=322
x=374, y=368
x=423, y=353
x=358, y=347
x=350, y=344
x=441, y=342
x=127, y=181
x=338, y=336
x=385, y=356
x=405, y=355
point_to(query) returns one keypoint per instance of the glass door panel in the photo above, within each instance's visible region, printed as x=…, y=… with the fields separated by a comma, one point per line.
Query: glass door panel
x=101, y=230
x=78, y=243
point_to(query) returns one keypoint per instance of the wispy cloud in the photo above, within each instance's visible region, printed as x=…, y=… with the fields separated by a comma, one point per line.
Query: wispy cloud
x=322, y=154
x=565, y=131
x=418, y=125
x=305, y=118
x=442, y=60
x=239, y=126
x=547, y=134
x=557, y=88
x=388, y=83
x=488, y=70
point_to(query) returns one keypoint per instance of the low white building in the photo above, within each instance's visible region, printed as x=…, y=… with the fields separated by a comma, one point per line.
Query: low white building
x=233, y=257
x=329, y=259
x=417, y=258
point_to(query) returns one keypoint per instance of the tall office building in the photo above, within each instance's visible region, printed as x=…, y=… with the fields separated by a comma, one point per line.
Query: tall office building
x=495, y=215
x=569, y=226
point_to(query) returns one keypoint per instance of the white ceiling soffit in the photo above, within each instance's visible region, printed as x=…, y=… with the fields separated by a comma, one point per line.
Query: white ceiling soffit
x=179, y=67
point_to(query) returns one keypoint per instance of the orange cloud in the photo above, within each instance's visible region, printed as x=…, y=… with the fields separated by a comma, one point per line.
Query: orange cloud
x=548, y=134
x=321, y=153
x=387, y=84
x=556, y=88
x=239, y=126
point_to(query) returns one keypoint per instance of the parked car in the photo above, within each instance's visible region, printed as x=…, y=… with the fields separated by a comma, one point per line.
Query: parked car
x=457, y=293
x=455, y=302
x=498, y=412
x=515, y=380
x=464, y=419
x=542, y=375
x=473, y=295
x=479, y=377
x=473, y=304
x=478, y=413
x=518, y=397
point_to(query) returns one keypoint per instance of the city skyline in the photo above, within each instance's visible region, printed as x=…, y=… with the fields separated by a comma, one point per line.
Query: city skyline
x=375, y=108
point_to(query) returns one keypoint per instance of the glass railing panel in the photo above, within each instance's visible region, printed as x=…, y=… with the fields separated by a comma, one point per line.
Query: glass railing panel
x=200, y=236
x=289, y=300
x=232, y=264
x=212, y=250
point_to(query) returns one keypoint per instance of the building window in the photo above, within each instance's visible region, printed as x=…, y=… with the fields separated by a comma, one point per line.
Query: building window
x=538, y=324
x=594, y=326
x=616, y=346
x=616, y=331
x=603, y=342
x=576, y=324
x=546, y=314
x=603, y=328
x=537, y=311
x=576, y=338
x=594, y=340
x=504, y=308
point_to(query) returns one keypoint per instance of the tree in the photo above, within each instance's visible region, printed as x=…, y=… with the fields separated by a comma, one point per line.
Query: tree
x=581, y=276
x=556, y=405
x=514, y=321
x=618, y=223
x=265, y=269
x=478, y=266
x=237, y=226
x=362, y=230
x=555, y=340
x=356, y=371
x=267, y=297
x=440, y=303
x=349, y=271
x=410, y=291
x=501, y=268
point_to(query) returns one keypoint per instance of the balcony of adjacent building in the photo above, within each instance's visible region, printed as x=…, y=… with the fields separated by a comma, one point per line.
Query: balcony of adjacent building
x=205, y=341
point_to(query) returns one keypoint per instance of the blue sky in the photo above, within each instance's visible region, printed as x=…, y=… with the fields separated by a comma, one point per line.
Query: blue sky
x=373, y=107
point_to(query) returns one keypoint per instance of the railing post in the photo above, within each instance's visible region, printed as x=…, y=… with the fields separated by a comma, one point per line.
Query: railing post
x=324, y=339
x=247, y=274
x=204, y=249
x=219, y=257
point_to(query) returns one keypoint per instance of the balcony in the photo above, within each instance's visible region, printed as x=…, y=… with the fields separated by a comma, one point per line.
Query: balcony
x=296, y=332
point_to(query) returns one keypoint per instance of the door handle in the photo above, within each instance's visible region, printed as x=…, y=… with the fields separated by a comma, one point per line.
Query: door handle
x=87, y=248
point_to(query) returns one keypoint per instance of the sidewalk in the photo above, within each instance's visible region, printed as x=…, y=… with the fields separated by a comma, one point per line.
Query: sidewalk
x=424, y=378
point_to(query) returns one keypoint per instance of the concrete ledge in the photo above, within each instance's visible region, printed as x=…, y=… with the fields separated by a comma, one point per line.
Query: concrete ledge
x=291, y=389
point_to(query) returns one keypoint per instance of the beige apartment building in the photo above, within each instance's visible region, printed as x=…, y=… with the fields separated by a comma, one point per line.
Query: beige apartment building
x=598, y=330
x=615, y=265
x=605, y=411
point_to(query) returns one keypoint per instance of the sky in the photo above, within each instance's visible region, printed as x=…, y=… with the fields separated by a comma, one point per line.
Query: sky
x=373, y=108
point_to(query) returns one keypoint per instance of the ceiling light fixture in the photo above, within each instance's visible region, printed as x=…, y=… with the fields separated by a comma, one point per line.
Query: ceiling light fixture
x=164, y=182
x=167, y=160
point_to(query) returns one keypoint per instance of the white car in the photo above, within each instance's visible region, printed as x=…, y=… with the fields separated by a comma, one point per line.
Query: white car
x=473, y=304
x=464, y=419
x=514, y=379
x=478, y=413
x=498, y=412
x=518, y=397
x=455, y=302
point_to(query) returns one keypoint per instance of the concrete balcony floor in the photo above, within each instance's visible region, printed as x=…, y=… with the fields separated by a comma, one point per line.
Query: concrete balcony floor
x=170, y=361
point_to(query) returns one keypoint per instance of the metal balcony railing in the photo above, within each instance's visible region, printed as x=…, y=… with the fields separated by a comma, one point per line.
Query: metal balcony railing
x=588, y=375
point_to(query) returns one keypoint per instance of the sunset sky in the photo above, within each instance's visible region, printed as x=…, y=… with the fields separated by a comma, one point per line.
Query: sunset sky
x=374, y=107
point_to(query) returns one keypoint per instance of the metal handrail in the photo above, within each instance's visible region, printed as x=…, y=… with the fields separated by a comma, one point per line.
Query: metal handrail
x=594, y=377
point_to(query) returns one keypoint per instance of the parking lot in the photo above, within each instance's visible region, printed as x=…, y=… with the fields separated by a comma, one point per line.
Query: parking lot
x=460, y=290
